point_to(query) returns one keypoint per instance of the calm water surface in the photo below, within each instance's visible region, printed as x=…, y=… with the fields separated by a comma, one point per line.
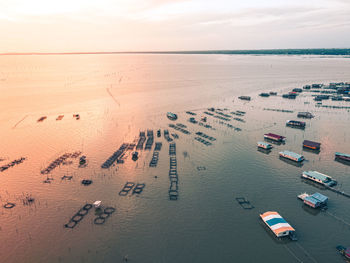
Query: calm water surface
x=117, y=96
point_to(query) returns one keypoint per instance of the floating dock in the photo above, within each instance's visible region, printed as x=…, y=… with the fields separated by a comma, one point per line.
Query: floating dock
x=108, y=163
x=11, y=164
x=60, y=160
x=141, y=141
x=206, y=136
x=126, y=189
x=244, y=203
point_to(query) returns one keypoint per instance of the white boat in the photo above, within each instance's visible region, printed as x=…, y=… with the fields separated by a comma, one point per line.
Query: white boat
x=264, y=145
x=171, y=116
x=292, y=156
x=319, y=178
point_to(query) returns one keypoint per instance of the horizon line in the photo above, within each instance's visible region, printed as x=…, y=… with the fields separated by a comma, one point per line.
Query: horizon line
x=286, y=51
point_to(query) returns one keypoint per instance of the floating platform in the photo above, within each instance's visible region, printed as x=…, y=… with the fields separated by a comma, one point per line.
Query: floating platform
x=108, y=163
x=60, y=160
x=126, y=189
x=150, y=139
x=166, y=136
x=138, y=188
x=206, y=136
x=82, y=212
x=179, y=128
x=206, y=143
x=141, y=141
x=172, y=149
x=158, y=146
x=11, y=164
x=154, y=160
x=244, y=203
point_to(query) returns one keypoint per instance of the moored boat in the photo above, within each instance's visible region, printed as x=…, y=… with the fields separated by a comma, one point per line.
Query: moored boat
x=264, y=94
x=264, y=145
x=171, y=116
x=311, y=145
x=344, y=251
x=298, y=124
x=292, y=156
x=135, y=156
x=315, y=200
x=319, y=178
x=306, y=115
x=342, y=156
x=274, y=137
x=278, y=225
x=244, y=97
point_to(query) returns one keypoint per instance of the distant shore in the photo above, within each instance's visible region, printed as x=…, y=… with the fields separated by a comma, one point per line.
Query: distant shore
x=323, y=51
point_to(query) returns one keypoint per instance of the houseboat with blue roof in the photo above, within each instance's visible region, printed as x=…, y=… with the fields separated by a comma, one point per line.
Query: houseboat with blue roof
x=278, y=225
x=315, y=200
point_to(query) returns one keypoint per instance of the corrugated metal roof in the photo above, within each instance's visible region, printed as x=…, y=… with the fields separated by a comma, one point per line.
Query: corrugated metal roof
x=342, y=154
x=322, y=198
x=276, y=223
x=292, y=154
x=312, y=200
x=317, y=175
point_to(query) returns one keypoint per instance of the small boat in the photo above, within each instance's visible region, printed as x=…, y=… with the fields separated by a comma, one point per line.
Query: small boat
x=244, y=98
x=344, y=251
x=306, y=115
x=342, y=156
x=292, y=156
x=82, y=160
x=319, y=178
x=274, y=137
x=135, y=156
x=171, y=116
x=278, y=225
x=264, y=145
x=297, y=124
x=264, y=94
x=311, y=145
x=41, y=119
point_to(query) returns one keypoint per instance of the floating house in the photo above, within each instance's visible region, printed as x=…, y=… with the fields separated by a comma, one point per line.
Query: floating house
x=278, y=225
x=315, y=200
x=292, y=156
x=342, y=156
x=264, y=145
x=311, y=145
x=274, y=137
x=298, y=124
x=319, y=178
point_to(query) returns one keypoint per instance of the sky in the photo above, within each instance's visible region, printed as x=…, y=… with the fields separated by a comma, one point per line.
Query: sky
x=166, y=25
